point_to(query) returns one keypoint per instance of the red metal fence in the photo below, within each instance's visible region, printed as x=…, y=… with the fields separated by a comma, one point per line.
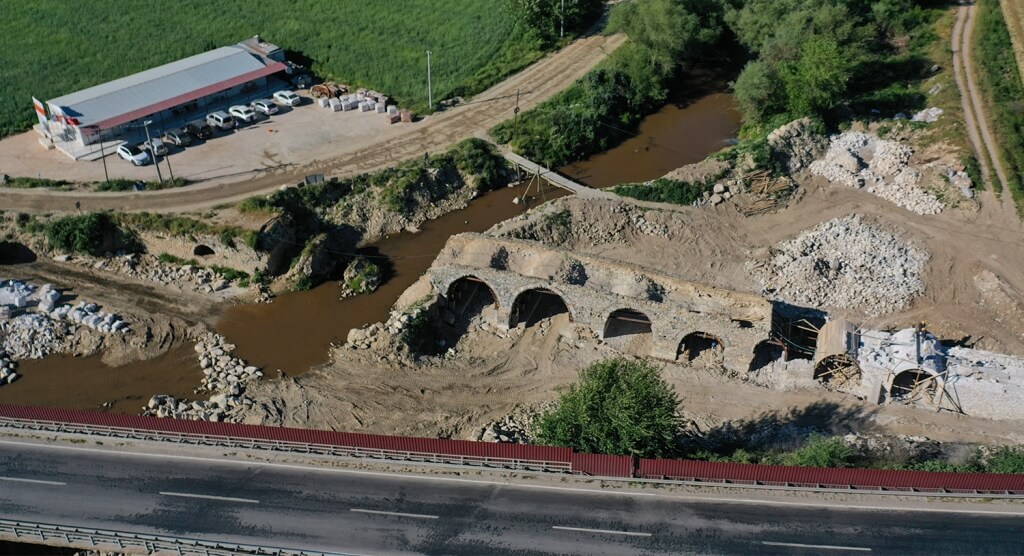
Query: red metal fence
x=513, y=456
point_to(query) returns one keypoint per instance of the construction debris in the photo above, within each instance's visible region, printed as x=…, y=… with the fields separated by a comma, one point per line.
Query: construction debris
x=846, y=263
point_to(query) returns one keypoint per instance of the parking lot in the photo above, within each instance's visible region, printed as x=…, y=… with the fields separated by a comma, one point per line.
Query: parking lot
x=298, y=135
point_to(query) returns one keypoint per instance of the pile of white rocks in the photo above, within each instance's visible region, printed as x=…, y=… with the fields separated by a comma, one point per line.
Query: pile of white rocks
x=860, y=160
x=397, y=323
x=7, y=365
x=34, y=336
x=224, y=376
x=720, y=193
x=846, y=263
x=515, y=428
x=152, y=269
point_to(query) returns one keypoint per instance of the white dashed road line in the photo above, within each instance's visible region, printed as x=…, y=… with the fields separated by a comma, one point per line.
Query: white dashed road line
x=397, y=514
x=33, y=481
x=602, y=531
x=817, y=546
x=211, y=497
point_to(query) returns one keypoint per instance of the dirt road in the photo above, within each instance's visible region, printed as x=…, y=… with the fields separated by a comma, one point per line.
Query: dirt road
x=974, y=110
x=436, y=133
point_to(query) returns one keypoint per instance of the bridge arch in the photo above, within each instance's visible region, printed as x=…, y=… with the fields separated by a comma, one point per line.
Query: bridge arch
x=911, y=384
x=532, y=305
x=701, y=344
x=629, y=331
x=840, y=371
x=469, y=294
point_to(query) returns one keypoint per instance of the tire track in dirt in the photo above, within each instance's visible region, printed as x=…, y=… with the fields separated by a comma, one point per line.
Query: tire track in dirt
x=962, y=44
x=540, y=81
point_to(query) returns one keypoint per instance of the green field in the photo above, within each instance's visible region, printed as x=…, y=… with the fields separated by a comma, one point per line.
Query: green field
x=52, y=47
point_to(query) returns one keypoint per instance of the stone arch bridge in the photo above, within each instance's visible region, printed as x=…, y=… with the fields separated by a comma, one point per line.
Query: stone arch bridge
x=613, y=299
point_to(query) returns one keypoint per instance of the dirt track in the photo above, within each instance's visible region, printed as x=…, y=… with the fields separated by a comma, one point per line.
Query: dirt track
x=436, y=133
x=974, y=109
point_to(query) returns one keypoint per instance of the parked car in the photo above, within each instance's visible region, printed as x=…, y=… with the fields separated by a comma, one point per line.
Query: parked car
x=242, y=113
x=287, y=98
x=264, y=106
x=133, y=154
x=302, y=80
x=220, y=119
x=199, y=129
x=155, y=146
x=178, y=137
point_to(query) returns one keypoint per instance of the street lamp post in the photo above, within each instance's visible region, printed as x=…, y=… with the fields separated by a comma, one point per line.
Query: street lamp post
x=152, y=151
x=430, y=89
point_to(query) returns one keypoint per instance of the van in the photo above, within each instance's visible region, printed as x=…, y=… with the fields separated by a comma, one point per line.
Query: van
x=220, y=119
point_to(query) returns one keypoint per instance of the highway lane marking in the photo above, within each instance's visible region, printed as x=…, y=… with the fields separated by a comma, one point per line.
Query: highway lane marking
x=397, y=514
x=601, y=531
x=671, y=496
x=33, y=481
x=210, y=497
x=817, y=546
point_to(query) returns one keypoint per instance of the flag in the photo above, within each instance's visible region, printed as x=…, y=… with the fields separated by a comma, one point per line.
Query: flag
x=40, y=110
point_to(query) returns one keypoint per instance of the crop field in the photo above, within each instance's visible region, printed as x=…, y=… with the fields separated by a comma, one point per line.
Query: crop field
x=52, y=47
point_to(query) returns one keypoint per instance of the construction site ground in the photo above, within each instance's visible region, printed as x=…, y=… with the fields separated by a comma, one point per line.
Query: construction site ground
x=308, y=140
x=973, y=288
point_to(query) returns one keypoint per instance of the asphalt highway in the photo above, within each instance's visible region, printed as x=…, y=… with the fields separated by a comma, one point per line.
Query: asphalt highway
x=364, y=512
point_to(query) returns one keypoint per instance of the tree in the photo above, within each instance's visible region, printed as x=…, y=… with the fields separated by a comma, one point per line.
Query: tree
x=759, y=92
x=618, y=407
x=544, y=17
x=818, y=79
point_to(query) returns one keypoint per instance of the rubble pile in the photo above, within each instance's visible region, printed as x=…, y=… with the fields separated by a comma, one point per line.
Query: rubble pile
x=152, y=269
x=225, y=377
x=515, y=428
x=845, y=263
x=796, y=144
x=883, y=167
x=397, y=323
x=7, y=365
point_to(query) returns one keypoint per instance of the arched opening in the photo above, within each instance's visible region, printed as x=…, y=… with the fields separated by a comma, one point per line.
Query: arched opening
x=765, y=352
x=469, y=296
x=12, y=252
x=626, y=322
x=838, y=371
x=535, y=305
x=913, y=385
x=629, y=331
x=700, y=345
x=203, y=251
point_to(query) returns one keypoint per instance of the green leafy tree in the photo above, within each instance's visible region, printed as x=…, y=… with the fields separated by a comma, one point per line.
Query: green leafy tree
x=87, y=233
x=545, y=17
x=760, y=92
x=618, y=407
x=817, y=81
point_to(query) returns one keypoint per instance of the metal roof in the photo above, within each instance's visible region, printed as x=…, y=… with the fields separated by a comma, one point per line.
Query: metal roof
x=150, y=91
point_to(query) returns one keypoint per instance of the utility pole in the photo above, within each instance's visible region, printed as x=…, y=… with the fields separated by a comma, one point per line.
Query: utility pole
x=561, y=32
x=167, y=157
x=430, y=88
x=103, y=157
x=152, y=151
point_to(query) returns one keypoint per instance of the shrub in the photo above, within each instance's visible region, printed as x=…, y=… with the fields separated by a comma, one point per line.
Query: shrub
x=664, y=190
x=257, y=204
x=173, y=259
x=617, y=407
x=87, y=233
x=821, y=451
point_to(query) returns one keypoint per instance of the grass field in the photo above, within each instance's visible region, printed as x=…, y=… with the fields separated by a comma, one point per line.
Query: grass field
x=1013, y=12
x=52, y=47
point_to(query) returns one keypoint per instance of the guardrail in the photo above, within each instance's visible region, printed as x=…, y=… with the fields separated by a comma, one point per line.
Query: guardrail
x=503, y=456
x=197, y=439
x=128, y=542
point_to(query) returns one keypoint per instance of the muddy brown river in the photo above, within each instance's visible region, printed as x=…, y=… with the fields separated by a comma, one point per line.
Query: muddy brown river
x=294, y=332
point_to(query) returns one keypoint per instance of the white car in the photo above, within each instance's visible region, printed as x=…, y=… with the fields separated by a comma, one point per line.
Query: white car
x=155, y=146
x=133, y=154
x=287, y=98
x=243, y=113
x=264, y=106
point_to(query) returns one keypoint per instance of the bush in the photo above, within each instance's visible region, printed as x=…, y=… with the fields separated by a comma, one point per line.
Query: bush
x=821, y=451
x=664, y=190
x=173, y=259
x=31, y=183
x=617, y=407
x=258, y=204
x=129, y=185
x=87, y=233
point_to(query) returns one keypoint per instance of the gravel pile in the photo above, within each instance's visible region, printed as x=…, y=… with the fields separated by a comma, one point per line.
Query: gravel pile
x=845, y=263
x=883, y=167
x=152, y=269
x=34, y=336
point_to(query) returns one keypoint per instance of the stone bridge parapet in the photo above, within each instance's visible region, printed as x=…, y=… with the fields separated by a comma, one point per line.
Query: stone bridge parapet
x=594, y=290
